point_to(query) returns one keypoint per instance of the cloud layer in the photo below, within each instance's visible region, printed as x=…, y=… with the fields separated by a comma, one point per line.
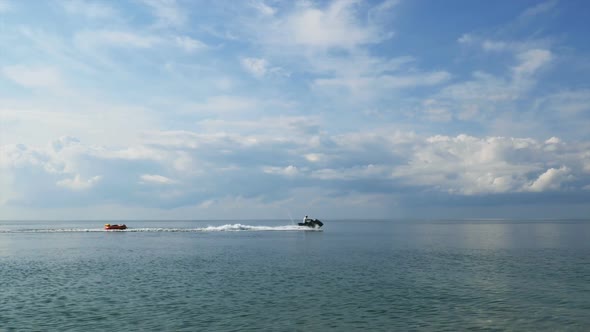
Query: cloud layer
x=178, y=169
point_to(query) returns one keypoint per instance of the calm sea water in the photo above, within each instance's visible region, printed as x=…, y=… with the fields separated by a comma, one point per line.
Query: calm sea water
x=269, y=275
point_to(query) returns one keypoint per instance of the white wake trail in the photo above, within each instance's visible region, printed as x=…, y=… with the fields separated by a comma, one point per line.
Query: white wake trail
x=222, y=228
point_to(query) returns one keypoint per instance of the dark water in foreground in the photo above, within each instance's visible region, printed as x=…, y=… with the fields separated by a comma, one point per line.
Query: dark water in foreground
x=363, y=275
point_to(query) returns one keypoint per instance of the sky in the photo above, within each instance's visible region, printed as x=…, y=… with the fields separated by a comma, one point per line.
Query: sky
x=254, y=109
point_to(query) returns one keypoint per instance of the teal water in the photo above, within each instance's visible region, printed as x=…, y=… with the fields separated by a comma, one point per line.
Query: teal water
x=269, y=275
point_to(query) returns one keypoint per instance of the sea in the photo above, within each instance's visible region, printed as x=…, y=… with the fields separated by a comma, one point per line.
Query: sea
x=271, y=275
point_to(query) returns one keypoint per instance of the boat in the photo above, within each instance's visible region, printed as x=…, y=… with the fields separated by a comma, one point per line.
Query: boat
x=120, y=227
x=311, y=223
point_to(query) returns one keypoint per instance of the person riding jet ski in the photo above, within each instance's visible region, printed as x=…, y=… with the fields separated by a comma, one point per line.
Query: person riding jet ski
x=312, y=223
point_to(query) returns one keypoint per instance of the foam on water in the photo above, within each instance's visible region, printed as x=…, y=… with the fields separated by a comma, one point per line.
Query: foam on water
x=222, y=228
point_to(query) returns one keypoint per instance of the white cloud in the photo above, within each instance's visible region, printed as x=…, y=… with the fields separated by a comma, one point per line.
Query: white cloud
x=267, y=127
x=438, y=114
x=255, y=66
x=64, y=141
x=490, y=45
x=195, y=167
x=492, y=93
x=288, y=171
x=503, y=45
x=378, y=84
x=540, y=8
x=486, y=93
x=189, y=44
x=469, y=165
x=96, y=41
x=569, y=102
x=359, y=65
x=135, y=153
x=77, y=183
x=382, y=12
x=156, y=179
x=260, y=68
x=339, y=25
x=465, y=38
x=336, y=26
x=89, y=9
x=552, y=179
x=167, y=12
x=370, y=171
x=263, y=8
x=531, y=61
x=55, y=50
x=314, y=157
x=328, y=43
x=484, y=87
x=33, y=77
x=125, y=39
x=432, y=78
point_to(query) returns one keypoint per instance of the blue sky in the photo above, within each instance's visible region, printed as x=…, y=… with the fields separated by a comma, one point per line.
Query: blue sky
x=265, y=109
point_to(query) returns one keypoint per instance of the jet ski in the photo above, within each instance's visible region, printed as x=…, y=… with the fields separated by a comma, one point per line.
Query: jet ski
x=311, y=223
x=120, y=227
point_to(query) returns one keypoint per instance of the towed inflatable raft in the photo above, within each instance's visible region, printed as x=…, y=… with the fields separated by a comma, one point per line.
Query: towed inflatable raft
x=109, y=226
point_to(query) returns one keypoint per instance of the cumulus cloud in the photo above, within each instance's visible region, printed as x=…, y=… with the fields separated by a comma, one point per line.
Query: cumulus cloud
x=335, y=26
x=469, y=165
x=552, y=179
x=77, y=183
x=186, y=168
x=64, y=141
